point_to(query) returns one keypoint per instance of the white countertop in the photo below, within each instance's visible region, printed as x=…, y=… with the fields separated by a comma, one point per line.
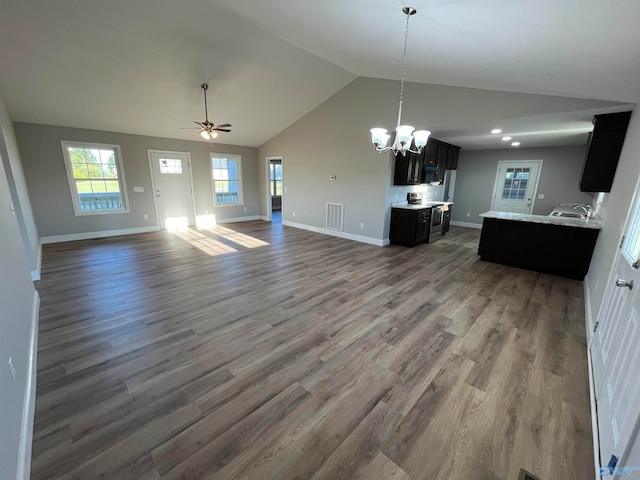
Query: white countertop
x=420, y=206
x=594, y=223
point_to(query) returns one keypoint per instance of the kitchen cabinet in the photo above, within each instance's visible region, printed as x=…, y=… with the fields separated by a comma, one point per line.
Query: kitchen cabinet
x=603, y=151
x=409, y=227
x=427, y=166
x=408, y=169
x=438, y=157
x=446, y=218
x=548, y=248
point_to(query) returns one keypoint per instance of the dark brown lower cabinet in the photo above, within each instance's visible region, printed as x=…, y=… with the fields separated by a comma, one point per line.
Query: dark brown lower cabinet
x=409, y=226
x=547, y=248
x=446, y=219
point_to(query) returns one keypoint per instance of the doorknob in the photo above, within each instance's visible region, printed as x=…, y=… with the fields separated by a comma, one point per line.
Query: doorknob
x=624, y=283
x=636, y=264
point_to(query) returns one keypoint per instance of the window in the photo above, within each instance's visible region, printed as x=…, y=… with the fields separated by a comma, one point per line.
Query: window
x=515, y=183
x=227, y=179
x=170, y=165
x=96, y=178
x=275, y=176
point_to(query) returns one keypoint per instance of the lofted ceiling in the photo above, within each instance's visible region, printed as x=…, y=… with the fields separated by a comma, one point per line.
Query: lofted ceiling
x=136, y=66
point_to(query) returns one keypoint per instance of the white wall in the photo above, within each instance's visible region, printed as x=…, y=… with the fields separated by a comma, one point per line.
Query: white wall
x=18, y=330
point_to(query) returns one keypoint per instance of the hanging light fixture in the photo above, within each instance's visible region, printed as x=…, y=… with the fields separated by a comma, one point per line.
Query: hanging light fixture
x=405, y=134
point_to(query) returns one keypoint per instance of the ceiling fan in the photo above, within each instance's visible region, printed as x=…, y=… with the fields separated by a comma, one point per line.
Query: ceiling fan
x=210, y=130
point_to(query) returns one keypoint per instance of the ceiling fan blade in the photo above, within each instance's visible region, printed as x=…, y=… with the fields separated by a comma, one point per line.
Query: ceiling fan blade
x=221, y=129
x=224, y=125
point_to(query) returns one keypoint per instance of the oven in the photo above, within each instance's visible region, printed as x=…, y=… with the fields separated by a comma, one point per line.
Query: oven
x=435, y=232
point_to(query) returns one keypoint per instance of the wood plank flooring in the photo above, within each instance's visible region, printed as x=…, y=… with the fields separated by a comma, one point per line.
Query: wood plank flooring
x=256, y=351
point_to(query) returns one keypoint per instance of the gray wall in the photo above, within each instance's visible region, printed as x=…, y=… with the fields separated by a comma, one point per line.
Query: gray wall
x=614, y=210
x=18, y=320
x=18, y=190
x=334, y=138
x=46, y=177
x=477, y=171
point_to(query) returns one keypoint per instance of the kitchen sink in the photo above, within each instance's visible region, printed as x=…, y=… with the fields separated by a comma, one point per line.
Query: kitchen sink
x=568, y=214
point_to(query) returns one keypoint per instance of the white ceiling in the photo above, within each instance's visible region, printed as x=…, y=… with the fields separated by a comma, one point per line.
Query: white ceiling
x=136, y=66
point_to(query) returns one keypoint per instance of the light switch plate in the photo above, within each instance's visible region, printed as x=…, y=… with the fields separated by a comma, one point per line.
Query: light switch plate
x=541, y=196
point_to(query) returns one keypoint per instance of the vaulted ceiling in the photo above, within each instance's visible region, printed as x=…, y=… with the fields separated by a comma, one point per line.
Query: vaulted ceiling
x=136, y=66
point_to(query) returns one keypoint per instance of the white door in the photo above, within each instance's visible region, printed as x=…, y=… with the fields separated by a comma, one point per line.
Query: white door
x=615, y=349
x=171, y=173
x=516, y=186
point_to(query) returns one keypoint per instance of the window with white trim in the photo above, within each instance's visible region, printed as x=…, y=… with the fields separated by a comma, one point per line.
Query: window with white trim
x=227, y=179
x=96, y=178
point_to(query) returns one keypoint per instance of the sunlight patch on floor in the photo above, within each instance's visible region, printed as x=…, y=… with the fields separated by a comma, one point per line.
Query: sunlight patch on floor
x=246, y=241
x=204, y=243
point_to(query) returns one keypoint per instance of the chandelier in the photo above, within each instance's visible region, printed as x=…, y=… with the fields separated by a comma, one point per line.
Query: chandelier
x=405, y=134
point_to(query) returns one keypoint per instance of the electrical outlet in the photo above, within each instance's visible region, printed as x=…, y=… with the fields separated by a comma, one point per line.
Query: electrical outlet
x=294, y=214
x=361, y=224
x=541, y=196
x=145, y=216
x=12, y=369
x=245, y=209
x=468, y=214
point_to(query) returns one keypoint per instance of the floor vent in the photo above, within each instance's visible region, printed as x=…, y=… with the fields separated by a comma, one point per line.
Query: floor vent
x=524, y=475
x=335, y=212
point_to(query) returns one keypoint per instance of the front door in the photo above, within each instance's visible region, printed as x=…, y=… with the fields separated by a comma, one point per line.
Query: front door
x=615, y=354
x=172, y=188
x=516, y=185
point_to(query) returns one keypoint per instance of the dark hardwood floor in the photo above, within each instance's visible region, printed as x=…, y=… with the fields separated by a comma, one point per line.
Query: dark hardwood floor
x=257, y=351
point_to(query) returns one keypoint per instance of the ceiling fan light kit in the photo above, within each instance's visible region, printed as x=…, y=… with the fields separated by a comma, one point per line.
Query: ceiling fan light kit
x=210, y=130
x=405, y=134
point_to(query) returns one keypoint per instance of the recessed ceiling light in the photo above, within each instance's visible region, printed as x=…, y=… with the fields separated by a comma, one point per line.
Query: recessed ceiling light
x=506, y=139
x=496, y=130
x=515, y=144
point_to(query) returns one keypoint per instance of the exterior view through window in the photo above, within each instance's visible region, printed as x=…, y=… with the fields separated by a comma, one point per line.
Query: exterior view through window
x=95, y=178
x=227, y=179
x=275, y=171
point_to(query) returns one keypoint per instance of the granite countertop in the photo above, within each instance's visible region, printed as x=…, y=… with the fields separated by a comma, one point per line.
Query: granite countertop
x=420, y=206
x=594, y=223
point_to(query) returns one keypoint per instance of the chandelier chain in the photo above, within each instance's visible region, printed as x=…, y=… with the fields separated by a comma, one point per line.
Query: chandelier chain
x=404, y=60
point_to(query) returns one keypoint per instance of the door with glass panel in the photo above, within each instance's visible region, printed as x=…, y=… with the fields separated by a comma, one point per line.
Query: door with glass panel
x=615, y=354
x=172, y=188
x=516, y=185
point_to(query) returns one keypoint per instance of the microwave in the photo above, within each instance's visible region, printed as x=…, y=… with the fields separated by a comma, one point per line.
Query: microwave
x=430, y=175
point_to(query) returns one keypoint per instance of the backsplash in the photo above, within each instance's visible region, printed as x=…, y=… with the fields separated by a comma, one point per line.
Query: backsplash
x=428, y=193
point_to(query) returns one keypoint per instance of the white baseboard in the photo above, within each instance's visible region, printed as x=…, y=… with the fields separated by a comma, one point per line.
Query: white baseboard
x=594, y=420
x=466, y=224
x=264, y=217
x=239, y=219
x=334, y=233
x=35, y=274
x=28, y=408
x=104, y=233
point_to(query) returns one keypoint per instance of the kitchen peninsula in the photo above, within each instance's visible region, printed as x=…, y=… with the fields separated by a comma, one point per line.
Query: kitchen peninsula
x=544, y=243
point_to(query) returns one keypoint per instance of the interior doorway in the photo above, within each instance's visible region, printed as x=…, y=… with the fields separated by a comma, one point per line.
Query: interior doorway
x=275, y=188
x=516, y=186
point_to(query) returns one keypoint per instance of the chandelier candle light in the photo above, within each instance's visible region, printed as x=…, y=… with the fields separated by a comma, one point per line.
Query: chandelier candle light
x=405, y=134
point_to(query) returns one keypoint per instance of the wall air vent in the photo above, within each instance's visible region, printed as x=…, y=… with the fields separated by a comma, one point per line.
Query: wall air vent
x=335, y=212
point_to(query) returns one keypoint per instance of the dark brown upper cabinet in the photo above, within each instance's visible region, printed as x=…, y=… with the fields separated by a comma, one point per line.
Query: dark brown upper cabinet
x=603, y=151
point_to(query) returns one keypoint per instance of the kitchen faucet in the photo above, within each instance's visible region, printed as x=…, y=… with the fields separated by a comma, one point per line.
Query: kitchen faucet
x=587, y=209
